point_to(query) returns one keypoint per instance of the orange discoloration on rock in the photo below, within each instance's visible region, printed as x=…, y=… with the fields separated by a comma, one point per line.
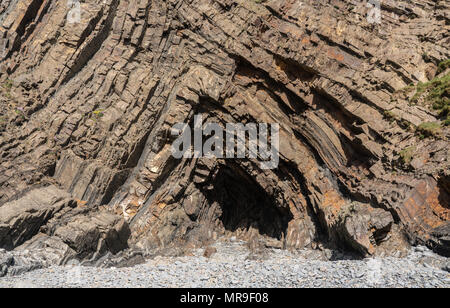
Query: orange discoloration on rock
x=306, y=41
x=436, y=205
x=332, y=203
x=423, y=210
x=335, y=55
x=371, y=249
x=161, y=206
x=81, y=203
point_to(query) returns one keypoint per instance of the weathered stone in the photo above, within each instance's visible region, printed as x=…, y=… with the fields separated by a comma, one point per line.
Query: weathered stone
x=90, y=105
x=363, y=228
x=6, y=261
x=440, y=240
x=447, y=267
x=91, y=233
x=21, y=219
x=67, y=232
x=426, y=211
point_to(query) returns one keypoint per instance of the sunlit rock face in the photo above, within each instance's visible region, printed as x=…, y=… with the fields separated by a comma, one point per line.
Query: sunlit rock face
x=90, y=92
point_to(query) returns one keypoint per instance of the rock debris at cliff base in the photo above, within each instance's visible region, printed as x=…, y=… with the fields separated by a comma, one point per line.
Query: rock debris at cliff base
x=88, y=102
x=234, y=266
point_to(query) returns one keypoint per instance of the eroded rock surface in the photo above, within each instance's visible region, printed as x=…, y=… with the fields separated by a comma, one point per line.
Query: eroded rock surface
x=21, y=219
x=46, y=227
x=90, y=106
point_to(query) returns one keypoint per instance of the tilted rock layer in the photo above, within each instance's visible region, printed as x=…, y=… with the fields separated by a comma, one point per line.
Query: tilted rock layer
x=88, y=106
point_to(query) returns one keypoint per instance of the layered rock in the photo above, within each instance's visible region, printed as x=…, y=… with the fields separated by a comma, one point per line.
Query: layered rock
x=91, y=105
x=21, y=219
x=46, y=227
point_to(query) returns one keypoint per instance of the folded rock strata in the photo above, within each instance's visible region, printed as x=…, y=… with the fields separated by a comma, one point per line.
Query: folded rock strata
x=46, y=227
x=90, y=106
x=21, y=219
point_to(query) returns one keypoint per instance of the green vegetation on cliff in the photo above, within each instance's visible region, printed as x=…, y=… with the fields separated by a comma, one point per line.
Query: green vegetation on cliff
x=436, y=94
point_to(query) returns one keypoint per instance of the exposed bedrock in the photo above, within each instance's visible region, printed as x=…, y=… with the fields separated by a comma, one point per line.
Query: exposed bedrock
x=45, y=226
x=89, y=108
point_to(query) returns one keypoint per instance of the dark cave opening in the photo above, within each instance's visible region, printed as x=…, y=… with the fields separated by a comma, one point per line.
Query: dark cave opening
x=244, y=205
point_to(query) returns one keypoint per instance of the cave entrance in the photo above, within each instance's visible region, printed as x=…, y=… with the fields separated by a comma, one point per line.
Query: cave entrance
x=243, y=205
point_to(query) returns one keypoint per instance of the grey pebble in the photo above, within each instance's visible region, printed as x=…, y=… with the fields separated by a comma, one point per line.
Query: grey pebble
x=229, y=268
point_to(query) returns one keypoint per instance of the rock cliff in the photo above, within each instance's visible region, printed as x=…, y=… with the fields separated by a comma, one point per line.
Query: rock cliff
x=88, y=106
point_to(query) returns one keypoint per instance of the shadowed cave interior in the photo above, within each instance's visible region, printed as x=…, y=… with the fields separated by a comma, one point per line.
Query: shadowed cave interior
x=243, y=205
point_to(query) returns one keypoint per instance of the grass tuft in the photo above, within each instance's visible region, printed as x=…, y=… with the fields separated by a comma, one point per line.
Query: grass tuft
x=407, y=154
x=429, y=129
